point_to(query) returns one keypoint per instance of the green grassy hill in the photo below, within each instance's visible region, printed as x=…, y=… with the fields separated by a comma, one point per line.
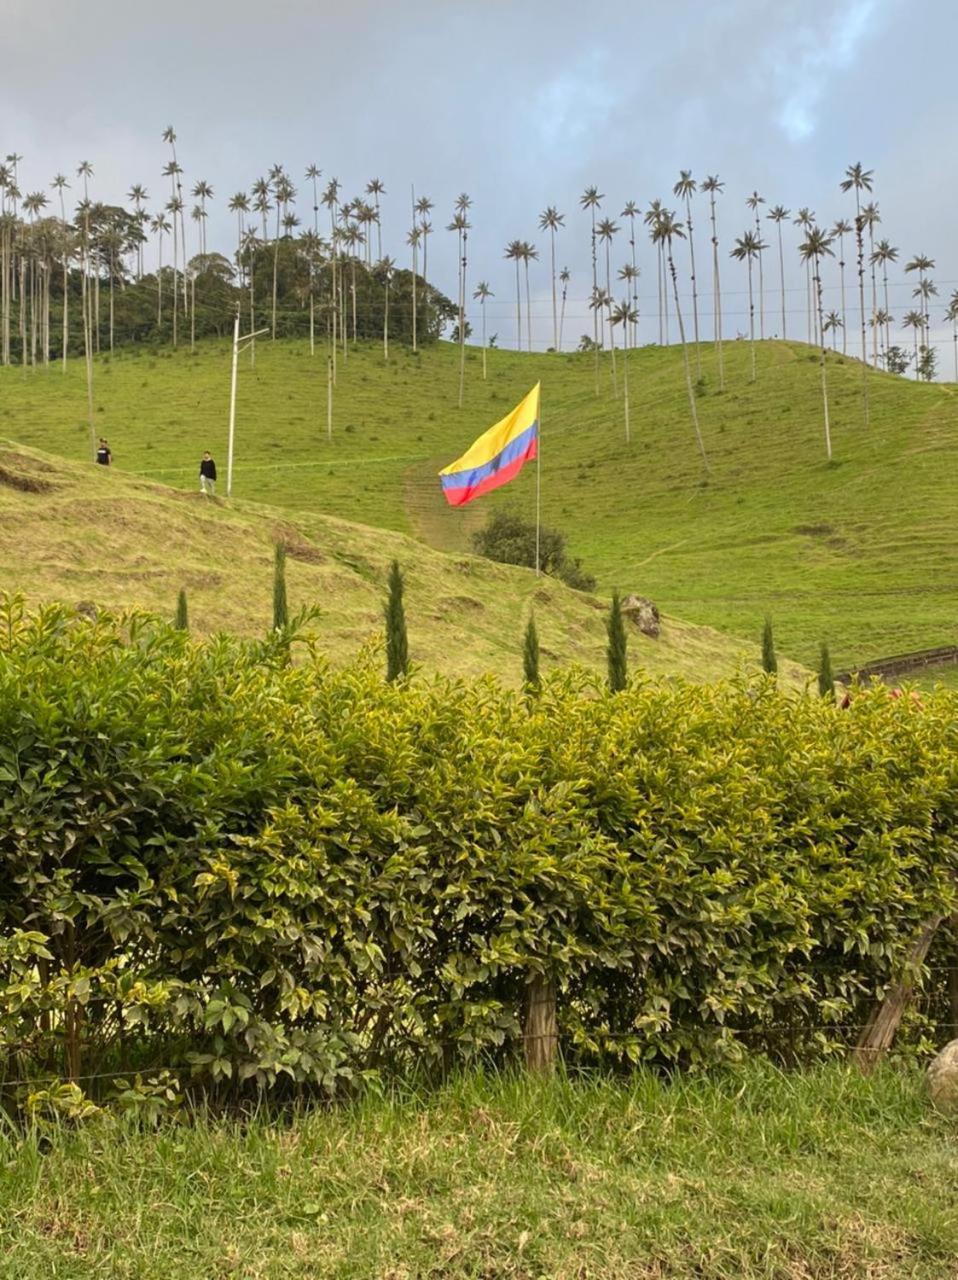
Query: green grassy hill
x=860, y=552
x=71, y=531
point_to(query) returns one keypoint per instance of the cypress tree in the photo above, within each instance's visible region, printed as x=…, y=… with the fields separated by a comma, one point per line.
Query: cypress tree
x=769, y=661
x=280, y=607
x=618, y=669
x=182, y=619
x=397, y=645
x=826, y=682
x=530, y=657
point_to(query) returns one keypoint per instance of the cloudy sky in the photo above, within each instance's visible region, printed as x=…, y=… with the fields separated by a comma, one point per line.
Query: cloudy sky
x=519, y=104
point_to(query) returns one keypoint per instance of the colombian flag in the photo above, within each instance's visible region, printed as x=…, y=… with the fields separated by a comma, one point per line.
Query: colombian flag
x=497, y=456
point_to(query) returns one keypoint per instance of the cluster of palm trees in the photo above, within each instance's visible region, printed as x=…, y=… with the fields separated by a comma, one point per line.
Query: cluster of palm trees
x=334, y=272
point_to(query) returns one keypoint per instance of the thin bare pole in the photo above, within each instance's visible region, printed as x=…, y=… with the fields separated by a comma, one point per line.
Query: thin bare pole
x=229, y=446
x=329, y=398
x=538, y=484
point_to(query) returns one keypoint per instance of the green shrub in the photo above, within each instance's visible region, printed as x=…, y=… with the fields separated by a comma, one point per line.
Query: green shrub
x=509, y=539
x=263, y=874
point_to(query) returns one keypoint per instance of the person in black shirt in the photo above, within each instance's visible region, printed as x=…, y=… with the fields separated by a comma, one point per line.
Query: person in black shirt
x=208, y=475
x=103, y=455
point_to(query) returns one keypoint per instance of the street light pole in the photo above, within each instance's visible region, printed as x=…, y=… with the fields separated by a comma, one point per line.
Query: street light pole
x=237, y=344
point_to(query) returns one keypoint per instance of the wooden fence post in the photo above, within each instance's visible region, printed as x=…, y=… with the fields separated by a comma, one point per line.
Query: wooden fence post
x=879, y=1033
x=540, y=1036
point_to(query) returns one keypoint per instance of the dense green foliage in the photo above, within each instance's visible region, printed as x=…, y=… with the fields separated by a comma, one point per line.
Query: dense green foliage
x=265, y=873
x=397, y=642
x=618, y=659
x=510, y=539
x=769, y=660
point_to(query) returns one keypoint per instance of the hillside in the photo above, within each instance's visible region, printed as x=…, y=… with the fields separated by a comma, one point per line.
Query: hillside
x=74, y=532
x=859, y=552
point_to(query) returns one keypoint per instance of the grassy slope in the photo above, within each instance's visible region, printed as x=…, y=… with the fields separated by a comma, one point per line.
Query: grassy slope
x=861, y=553
x=90, y=534
x=797, y=1177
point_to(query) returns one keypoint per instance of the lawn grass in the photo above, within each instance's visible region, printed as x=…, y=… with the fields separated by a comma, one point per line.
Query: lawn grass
x=859, y=552
x=753, y=1174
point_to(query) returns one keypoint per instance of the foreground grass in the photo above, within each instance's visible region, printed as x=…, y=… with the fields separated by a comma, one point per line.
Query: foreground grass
x=760, y=1174
x=860, y=553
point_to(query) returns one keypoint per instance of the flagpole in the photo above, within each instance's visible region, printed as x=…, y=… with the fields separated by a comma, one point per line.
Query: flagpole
x=538, y=485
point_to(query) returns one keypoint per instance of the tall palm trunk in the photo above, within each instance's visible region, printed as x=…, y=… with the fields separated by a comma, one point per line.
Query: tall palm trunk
x=860, y=243
x=528, y=307
x=751, y=320
x=462, y=314
x=275, y=271
x=685, y=358
x=555, y=321
x=608, y=290
x=565, y=290
x=761, y=279
x=781, y=274
x=821, y=330
x=483, y=339
x=871, y=262
x=386, y=322
x=717, y=296
x=695, y=294
x=841, y=269
x=518, y=308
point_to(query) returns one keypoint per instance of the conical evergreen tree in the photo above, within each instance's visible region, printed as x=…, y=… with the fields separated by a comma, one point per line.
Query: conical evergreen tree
x=280, y=607
x=769, y=661
x=530, y=657
x=397, y=644
x=182, y=619
x=618, y=661
x=826, y=681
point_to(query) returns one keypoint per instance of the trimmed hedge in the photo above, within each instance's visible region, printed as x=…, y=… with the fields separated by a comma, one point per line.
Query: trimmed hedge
x=264, y=873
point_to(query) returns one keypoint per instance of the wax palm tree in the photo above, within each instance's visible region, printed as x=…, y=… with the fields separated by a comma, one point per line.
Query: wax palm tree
x=685, y=189
x=482, y=292
x=778, y=215
x=313, y=175
x=631, y=211
x=376, y=189
x=421, y=210
x=628, y=274
x=514, y=250
x=915, y=320
x=883, y=253
x=606, y=230
x=412, y=239
x=529, y=254
x=174, y=208
x=833, y=322
x=564, y=278
x=283, y=193
x=952, y=314
x=839, y=231
x=858, y=180
x=805, y=219
x=748, y=248
x=160, y=227
x=651, y=216
x=460, y=224
x=628, y=317
x=139, y=196
x=817, y=245
x=881, y=320
x=714, y=187
x=753, y=202
x=871, y=218
x=920, y=263
x=591, y=199
x=551, y=220
x=60, y=184
x=925, y=290
x=330, y=198
x=202, y=191
x=385, y=270
x=666, y=229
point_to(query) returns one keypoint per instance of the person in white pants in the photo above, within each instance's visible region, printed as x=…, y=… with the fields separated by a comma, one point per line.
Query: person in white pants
x=208, y=475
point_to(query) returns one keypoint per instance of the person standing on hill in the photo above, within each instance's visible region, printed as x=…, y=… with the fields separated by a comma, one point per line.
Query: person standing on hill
x=208, y=475
x=103, y=455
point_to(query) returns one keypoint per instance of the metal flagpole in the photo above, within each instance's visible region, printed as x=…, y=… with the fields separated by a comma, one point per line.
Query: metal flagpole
x=538, y=485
